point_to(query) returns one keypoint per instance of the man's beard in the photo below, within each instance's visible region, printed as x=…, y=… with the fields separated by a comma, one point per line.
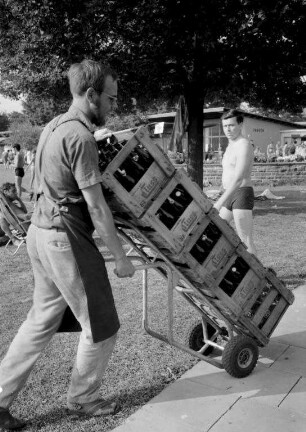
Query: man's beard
x=98, y=120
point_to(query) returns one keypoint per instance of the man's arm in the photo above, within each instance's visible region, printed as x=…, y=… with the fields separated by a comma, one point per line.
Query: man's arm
x=244, y=156
x=21, y=205
x=103, y=221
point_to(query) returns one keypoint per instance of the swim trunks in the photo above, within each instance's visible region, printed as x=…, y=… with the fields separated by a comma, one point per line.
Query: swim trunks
x=19, y=172
x=243, y=199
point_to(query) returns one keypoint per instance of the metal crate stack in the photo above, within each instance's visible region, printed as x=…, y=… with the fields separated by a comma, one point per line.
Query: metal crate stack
x=176, y=216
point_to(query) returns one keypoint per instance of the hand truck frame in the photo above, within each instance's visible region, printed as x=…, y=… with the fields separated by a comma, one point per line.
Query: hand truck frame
x=236, y=340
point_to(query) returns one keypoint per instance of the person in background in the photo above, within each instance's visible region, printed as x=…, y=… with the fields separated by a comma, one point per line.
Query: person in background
x=68, y=268
x=237, y=201
x=271, y=154
x=5, y=158
x=11, y=158
x=18, y=166
x=27, y=157
x=32, y=172
x=278, y=149
x=286, y=149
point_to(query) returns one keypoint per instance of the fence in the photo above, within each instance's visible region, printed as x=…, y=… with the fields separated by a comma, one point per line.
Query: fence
x=276, y=173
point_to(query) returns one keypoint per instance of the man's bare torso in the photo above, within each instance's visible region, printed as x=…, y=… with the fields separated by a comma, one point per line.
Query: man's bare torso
x=229, y=163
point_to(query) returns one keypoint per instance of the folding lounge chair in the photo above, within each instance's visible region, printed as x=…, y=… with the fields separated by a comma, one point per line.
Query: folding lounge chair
x=19, y=226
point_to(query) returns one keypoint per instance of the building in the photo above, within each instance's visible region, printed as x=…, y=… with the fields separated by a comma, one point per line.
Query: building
x=260, y=129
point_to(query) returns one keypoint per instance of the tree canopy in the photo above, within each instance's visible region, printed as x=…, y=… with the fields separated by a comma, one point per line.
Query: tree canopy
x=24, y=133
x=212, y=51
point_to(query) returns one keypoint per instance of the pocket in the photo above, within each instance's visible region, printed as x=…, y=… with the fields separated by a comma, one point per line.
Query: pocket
x=59, y=241
x=57, y=244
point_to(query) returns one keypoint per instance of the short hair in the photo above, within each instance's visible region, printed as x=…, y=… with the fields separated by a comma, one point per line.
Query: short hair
x=233, y=113
x=17, y=147
x=7, y=186
x=88, y=73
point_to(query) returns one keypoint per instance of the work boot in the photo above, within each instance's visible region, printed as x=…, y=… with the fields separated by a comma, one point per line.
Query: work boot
x=8, y=422
x=97, y=408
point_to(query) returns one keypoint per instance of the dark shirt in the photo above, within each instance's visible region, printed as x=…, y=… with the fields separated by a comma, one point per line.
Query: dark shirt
x=66, y=162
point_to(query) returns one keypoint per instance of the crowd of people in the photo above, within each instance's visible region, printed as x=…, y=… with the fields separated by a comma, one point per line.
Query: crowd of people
x=8, y=157
x=292, y=151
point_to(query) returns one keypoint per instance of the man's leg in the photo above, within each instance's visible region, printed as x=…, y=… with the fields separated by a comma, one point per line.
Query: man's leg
x=89, y=368
x=226, y=214
x=92, y=358
x=34, y=334
x=244, y=225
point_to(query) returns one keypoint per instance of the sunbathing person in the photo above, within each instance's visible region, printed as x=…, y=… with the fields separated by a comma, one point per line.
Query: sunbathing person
x=17, y=206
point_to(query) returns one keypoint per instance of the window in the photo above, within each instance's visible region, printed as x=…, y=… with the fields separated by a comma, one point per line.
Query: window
x=216, y=138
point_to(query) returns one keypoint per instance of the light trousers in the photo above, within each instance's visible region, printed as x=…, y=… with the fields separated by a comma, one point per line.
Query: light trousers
x=57, y=283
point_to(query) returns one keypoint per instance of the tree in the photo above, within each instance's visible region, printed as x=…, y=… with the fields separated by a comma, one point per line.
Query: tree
x=40, y=110
x=18, y=117
x=236, y=49
x=39, y=41
x=25, y=134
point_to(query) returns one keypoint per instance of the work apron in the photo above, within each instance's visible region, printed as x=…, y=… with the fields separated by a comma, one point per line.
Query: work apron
x=78, y=225
x=102, y=312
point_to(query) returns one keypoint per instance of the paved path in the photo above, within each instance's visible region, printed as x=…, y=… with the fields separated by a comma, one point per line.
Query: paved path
x=207, y=399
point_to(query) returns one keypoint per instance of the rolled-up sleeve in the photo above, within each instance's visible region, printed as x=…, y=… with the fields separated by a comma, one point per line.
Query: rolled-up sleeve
x=84, y=162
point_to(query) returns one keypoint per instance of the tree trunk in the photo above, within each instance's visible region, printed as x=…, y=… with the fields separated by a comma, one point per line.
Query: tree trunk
x=195, y=104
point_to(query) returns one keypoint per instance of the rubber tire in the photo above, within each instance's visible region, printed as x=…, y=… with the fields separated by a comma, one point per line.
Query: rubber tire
x=240, y=356
x=195, y=338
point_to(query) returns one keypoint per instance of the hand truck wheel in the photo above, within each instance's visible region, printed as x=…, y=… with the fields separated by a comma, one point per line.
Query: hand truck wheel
x=240, y=356
x=195, y=337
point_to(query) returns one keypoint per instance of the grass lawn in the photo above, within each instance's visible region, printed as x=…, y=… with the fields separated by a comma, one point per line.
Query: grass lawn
x=141, y=365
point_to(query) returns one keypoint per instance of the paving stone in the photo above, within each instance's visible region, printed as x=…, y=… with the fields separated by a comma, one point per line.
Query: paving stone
x=291, y=330
x=271, y=352
x=247, y=415
x=296, y=399
x=183, y=407
x=264, y=385
x=293, y=360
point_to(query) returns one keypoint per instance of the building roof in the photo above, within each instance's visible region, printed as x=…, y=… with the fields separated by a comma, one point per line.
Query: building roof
x=216, y=113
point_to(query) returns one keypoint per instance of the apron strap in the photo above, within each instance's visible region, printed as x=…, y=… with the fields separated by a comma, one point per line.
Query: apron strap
x=41, y=190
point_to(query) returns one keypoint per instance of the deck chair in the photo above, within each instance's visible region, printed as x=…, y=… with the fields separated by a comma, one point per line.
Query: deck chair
x=19, y=227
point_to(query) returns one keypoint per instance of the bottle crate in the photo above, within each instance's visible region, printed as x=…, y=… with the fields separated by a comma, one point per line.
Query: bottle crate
x=204, y=248
x=234, y=280
x=135, y=170
x=208, y=250
x=177, y=211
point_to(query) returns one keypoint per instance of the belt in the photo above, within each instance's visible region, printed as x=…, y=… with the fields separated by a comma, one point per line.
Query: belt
x=59, y=229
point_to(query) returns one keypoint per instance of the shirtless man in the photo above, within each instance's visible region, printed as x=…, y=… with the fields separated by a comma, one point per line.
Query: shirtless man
x=237, y=201
x=18, y=207
x=18, y=165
